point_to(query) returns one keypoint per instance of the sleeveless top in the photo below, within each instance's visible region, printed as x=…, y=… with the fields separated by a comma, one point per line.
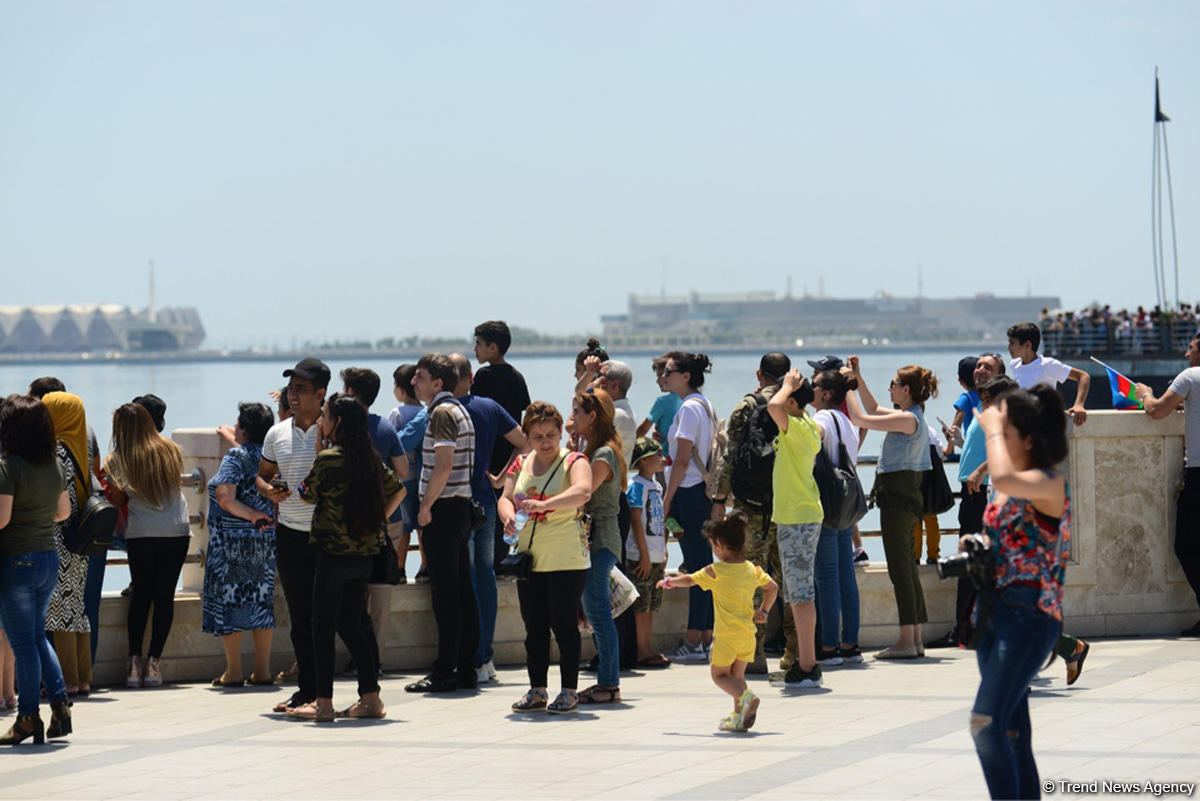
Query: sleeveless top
x=906, y=451
x=560, y=542
x=1031, y=548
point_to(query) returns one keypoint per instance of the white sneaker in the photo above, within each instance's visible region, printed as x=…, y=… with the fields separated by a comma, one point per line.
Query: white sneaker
x=153, y=673
x=134, y=679
x=686, y=652
x=485, y=672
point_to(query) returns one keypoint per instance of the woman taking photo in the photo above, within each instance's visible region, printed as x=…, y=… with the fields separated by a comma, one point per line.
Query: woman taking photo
x=547, y=486
x=837, y=586
x=592, y=420
x=354, y=494
x=1028, y=523
x=144, y=472
x=66, y=619
x=239, y=562
x=33, y=497
x=690, y=441
x=902, y=459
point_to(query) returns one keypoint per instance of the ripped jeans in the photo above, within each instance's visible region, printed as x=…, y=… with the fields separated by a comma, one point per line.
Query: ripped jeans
x=1015, y=645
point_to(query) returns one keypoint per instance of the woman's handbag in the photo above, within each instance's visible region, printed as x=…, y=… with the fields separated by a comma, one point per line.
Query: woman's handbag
x=89, y=532
x=519, y=564
x=842, y=495
x=936, y=495
x=385, y=567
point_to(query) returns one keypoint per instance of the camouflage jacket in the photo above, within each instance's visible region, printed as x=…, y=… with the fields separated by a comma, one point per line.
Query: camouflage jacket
x=326, y=487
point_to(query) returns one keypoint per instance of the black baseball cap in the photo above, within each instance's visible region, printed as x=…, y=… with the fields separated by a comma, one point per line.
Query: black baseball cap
x=157, y=408
x=310, y=368
x=828, y=362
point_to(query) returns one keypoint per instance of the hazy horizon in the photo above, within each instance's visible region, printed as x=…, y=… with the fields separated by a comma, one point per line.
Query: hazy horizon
x=302, y=170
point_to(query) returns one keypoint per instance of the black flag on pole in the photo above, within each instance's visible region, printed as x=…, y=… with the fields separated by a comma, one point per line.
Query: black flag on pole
x=1158, y=112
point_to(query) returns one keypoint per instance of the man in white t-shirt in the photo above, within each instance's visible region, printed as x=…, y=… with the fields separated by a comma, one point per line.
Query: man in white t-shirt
x=289, y=450
x=1185, y=390
x=1029, y=369
x=616, y=378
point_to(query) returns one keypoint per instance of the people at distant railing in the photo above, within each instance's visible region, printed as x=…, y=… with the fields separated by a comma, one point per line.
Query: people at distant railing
x=1098, y=328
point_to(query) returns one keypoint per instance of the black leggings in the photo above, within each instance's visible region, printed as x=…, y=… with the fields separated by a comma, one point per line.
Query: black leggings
x=154, y=566
x=549, y=601
x=339, y=594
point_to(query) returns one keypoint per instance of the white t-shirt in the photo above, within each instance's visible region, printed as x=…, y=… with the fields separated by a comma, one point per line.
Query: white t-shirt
x=827, y=419
x=1187, y=386
x=293, y=451
x=646, y=494
x=626, y=425
x=1042, y=370
x=692, y=422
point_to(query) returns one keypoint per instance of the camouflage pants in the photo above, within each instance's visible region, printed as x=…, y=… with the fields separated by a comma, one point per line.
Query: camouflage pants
x=762, y=549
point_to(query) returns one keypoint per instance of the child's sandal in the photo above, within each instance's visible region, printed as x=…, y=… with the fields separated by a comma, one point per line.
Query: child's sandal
x=534, y=699
x=566, y=702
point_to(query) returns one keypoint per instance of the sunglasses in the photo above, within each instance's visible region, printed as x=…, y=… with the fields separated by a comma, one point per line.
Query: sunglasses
x=669, y=371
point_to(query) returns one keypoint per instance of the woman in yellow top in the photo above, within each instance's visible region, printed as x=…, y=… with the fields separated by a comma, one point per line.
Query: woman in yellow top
x=547, y=487
x=797, y=515
x=732, y=581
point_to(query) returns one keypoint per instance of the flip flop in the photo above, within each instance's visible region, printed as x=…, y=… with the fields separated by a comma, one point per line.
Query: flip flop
x=600, y=695
x=310, y=712
x=253, y=682
x=218, y=683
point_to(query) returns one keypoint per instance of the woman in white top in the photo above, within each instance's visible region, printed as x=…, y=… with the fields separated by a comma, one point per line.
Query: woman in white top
x=837, y=586
x=690, y=441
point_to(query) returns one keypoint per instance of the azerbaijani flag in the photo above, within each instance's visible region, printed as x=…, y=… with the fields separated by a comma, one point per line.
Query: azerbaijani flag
x=1123, y=396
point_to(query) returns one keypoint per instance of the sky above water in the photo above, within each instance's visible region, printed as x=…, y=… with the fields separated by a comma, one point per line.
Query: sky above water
x=302, y=170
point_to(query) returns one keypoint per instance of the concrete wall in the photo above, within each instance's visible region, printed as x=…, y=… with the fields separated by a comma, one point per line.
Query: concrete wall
x=1123, y=579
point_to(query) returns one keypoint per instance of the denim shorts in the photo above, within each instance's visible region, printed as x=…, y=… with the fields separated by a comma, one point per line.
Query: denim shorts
x=797, y=554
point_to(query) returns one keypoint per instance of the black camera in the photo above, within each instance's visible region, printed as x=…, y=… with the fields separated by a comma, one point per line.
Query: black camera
x=975, y=560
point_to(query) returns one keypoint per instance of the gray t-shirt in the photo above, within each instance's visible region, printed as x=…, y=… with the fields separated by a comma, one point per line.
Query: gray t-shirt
x=605, y=504
x=1187, y=386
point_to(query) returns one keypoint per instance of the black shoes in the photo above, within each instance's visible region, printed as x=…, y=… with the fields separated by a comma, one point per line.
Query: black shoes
x=60, y=719
x=947, y=640
x=435, y=684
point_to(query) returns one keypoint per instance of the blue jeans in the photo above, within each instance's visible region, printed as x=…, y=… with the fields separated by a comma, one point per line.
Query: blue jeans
x=691, y=508
x=26, y=583
x=1015, y=643
x=837, y=587
x=482, y=552
x=597, y=605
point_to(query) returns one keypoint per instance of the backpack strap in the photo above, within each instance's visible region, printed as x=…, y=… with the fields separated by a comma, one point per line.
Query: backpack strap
x=712, y=443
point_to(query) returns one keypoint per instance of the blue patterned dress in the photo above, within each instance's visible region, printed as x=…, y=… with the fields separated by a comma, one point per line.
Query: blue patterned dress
x=239, y=566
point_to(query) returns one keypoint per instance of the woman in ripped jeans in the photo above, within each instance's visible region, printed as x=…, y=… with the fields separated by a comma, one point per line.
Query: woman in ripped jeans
x=1028, y=523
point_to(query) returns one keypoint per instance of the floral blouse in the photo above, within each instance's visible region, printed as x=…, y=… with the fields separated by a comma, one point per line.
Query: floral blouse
x=1030, y=548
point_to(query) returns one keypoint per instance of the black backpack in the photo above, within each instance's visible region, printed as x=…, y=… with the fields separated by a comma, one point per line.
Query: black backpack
x=754, y=459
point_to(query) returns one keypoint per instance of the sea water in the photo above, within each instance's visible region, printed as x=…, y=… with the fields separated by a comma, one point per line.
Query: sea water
x=206, y=394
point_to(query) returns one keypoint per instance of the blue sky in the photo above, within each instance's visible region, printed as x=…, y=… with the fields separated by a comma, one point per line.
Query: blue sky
x=360, y=169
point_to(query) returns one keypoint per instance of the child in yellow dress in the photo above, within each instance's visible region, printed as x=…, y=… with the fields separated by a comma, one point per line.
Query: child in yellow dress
x=732, y=581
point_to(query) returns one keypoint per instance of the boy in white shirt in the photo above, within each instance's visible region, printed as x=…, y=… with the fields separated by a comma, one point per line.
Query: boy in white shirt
x=1029, y=369
x=646, y=545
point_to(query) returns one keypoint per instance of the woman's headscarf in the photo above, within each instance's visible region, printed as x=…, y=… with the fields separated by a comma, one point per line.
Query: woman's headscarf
x=70, y=428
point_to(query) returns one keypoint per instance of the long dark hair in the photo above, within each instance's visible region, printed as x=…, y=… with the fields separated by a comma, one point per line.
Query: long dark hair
x=1038, y=413
x=361, y=469
x=26, y=429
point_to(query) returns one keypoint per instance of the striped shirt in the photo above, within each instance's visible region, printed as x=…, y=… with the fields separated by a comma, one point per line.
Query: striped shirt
x=449, y=424
x=292, y=450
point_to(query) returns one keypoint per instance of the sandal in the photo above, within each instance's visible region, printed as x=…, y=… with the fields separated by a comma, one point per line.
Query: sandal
x=291, y=703
x=311, y=711
x=217, y=682
x=731, y=723
x=597, y=694
x=361, y=709
x=254, y=682
x=567, y=701
x=655, y=661
x=1075, y=661
x=534, y=699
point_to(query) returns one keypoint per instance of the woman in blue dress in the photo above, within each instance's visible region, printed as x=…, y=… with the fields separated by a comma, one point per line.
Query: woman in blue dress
x=239, y=565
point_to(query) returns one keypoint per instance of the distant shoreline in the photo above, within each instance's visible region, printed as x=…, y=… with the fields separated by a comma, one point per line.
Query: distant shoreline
x=516, y=352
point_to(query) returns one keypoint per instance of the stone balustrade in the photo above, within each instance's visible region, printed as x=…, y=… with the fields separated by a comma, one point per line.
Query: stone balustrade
x=1124, y=579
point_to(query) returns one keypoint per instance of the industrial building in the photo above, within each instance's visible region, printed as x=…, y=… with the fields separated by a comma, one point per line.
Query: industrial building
x=98, y=329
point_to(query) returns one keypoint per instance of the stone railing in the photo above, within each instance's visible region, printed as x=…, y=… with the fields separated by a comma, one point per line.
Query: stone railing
x=1124, y=578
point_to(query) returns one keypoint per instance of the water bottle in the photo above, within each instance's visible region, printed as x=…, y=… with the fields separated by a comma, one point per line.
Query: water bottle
x=519, y=521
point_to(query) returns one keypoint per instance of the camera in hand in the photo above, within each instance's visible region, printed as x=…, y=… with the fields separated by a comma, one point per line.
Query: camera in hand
x=975, y=560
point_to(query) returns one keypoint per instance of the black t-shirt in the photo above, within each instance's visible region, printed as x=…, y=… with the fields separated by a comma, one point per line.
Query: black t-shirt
x=503, y=384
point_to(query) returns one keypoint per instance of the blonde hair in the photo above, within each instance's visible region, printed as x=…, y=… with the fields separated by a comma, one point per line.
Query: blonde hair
x=143, y=462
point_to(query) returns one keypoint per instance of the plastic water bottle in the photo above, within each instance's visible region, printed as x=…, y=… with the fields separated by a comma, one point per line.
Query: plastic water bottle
x=519, y=521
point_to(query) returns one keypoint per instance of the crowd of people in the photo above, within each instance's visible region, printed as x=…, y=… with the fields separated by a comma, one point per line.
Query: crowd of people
x=324, y=501
x=1101, y=328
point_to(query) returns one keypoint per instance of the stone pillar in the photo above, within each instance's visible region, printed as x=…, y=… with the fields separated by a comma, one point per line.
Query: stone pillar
x=202, y=448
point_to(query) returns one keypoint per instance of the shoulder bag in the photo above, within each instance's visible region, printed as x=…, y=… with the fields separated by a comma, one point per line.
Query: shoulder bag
x=519, y=564
x=842, y=497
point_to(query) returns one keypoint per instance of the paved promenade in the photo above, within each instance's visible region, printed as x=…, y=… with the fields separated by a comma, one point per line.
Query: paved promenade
x=879, y=730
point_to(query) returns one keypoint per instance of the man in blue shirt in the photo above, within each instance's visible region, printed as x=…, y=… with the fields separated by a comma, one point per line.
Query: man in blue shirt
x=493, y=425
